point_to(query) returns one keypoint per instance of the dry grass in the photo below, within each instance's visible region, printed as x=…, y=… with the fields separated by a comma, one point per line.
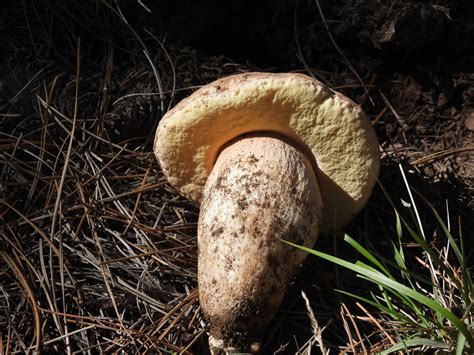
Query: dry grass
x=97, y=252
x=92, y=233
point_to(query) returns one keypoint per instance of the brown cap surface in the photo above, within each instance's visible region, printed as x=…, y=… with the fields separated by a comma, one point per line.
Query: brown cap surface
x=330, y=125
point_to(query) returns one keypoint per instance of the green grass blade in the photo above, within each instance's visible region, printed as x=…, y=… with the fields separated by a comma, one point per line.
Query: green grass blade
x=366, y=254
x=448, y=234
x=434, y=256
x=392, y=312
x=426, y=247
x=399, y=258
x=407, y=301
x=460, y=344
x=386, y=299
x=467, y=289
x=415, y=342
x=454, y=246
x=398, y=225
x=379, y=278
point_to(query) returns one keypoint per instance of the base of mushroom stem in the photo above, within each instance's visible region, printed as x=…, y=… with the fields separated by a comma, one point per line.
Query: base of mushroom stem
x=218, y=347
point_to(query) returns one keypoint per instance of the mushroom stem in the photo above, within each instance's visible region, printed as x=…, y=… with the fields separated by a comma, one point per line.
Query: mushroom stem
x=261, y=190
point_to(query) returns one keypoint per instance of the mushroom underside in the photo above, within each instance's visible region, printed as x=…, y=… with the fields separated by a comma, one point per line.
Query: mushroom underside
x=330, y=125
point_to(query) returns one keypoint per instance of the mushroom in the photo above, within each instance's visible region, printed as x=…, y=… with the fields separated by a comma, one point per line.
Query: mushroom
x=269, y=157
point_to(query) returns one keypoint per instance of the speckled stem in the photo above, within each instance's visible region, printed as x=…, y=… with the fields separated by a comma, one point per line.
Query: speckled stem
x=261, y=190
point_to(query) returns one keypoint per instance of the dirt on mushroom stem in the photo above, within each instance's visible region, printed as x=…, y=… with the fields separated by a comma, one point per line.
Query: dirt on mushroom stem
x=261, y=190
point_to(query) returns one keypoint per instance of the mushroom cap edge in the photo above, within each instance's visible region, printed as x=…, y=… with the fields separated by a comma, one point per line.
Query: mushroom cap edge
x=334, y=128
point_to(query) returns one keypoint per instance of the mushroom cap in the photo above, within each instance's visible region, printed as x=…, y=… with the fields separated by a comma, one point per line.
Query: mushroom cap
x=331, y=127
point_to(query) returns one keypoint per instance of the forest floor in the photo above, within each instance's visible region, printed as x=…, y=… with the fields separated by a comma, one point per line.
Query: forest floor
x=98, y=252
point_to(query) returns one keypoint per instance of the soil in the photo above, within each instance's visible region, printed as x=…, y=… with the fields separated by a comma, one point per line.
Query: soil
x=409, y=64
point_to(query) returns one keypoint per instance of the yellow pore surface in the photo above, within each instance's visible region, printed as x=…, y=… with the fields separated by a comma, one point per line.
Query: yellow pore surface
x=334, y=128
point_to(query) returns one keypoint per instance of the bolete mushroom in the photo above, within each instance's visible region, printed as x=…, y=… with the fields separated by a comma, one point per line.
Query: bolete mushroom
x=268, y=157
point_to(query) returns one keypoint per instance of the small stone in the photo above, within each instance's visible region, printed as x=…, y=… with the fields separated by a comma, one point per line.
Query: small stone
x=442, y=100
x=469, y=122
